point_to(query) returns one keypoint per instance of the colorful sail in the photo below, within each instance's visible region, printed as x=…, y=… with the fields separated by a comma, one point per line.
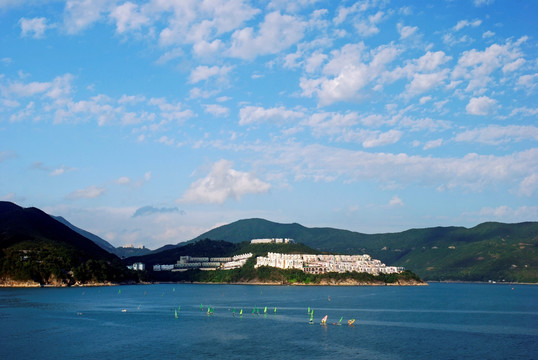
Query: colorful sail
x=175, y=313
x=324, y=320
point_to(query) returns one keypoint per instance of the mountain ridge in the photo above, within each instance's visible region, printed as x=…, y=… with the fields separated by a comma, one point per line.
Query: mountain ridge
x=488, y=251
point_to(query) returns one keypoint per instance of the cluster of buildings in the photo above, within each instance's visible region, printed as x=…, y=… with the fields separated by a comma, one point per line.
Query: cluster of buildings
x=320, y=264
x=205, y=263
x=138, y=266
x=309, y=263
x=272, y=241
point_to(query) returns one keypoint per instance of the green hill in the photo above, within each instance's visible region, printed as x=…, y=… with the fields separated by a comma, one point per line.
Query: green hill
x=249, y=274
x=489, y=251
x=36, y=247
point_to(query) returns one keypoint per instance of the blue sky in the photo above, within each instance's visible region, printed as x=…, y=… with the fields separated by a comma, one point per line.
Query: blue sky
x=150, y=122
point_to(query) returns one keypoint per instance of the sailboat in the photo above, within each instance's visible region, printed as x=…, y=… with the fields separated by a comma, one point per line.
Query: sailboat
x=324, y=320
x=351, y=322
x=339, y=321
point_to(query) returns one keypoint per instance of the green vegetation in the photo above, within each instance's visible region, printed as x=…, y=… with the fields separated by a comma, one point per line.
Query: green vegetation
x=36, y=247
x=264, y=274
x=489, y=251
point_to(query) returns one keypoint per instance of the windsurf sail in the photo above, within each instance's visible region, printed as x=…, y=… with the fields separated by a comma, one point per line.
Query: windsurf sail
x=175, y=313
x=324, y=320
x=340, y=321
x=350, y=322
x=265, y=310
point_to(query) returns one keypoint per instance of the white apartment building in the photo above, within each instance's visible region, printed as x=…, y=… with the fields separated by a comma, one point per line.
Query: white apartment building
x=317, y=264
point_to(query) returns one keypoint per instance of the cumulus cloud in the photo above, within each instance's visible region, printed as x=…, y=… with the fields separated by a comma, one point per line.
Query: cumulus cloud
x=256, y=114
x=347, y=73
x=128, y=17
x=482, y=105
x=464, y=23
x=203, y=72
x=477, y=66
x=217, y=110
x=529, y=185
x=223, y=183
x=276, y=33
x=81, y=14
x=406, y=31
x=34, y=27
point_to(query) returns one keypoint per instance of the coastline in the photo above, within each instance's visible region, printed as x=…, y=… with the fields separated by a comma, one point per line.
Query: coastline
x=32, y=284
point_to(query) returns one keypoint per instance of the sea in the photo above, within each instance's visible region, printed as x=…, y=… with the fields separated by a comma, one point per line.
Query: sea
x=171, y=321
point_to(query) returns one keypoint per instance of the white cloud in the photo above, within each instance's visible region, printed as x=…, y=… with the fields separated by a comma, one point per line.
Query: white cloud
x=349, y=74
x=255, y=114
x=482, y=105
x=383, y=138
x=128, y=17
x=529, y=185
x=124, y=180
x=478, y=66
x=203, y=72
x=276, y=33
x=325, y=123
x=217, y=110
x=479, y=3
x=207, y=49
x=464, y=23
x=406, y=31
x=424, y=82
x=81, y=14
x=90, y=192
x=35, y=27
x=527, y=82
x=472, y=172
x=396, y=201
x=223, y=183
x=495, y=134
x=433, y=144
x=369, y=27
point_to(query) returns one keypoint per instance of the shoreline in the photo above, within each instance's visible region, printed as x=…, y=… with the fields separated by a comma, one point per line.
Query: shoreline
x=31, y=284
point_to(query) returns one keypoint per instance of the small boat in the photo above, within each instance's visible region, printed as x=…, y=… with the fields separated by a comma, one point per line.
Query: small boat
x=123, y=310
x=351, y=322
x=324, y=320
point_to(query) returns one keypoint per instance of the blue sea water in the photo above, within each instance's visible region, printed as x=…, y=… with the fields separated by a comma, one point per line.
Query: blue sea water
x=440, y=321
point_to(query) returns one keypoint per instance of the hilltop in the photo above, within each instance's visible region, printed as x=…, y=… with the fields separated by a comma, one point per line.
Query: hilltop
x=37, y=249
x=489, y=251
